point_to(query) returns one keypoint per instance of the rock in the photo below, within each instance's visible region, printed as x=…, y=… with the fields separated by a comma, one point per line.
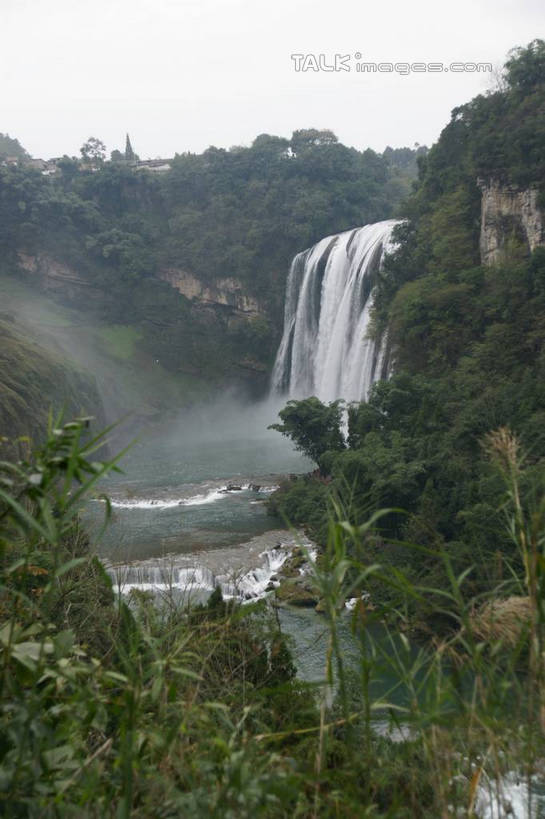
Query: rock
x=293, y=593
x=321, y=607
x=294, y=563
x=506, y=212
x=231, y=487
x=255, y=487
x=224, y=292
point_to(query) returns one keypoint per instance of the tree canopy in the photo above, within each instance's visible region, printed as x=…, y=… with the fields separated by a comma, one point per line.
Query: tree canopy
x=468, y=346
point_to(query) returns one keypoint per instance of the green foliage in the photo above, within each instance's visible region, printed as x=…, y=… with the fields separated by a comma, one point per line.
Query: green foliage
x=314, y=428
x=302, y=502
x=30, y=377
x=525, y=68
x=240, y=213
x=93, y=150
x=109, y=708
x=120, y=340
x=467, y=343
x=11, y=148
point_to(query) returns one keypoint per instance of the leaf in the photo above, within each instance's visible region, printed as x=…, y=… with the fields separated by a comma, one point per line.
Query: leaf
x=30, y=653
x=116, y=677
x=21, y=512
x=66, y=567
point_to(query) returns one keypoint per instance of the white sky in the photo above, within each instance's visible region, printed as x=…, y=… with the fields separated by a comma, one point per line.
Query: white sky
x=181, y=75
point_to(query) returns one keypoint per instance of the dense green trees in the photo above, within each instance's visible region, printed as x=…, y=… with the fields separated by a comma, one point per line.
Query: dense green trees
x=468, y=344
x=10, y=147
x=315, y=428
x=247, y=211
x=242, y=213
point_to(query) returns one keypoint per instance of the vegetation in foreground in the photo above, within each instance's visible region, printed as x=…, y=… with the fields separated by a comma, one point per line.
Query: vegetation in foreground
x=129, y=708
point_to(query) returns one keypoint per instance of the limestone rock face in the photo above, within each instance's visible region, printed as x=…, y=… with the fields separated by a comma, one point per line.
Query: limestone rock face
x=53, y=275
x=228, y=292
x=508, y=213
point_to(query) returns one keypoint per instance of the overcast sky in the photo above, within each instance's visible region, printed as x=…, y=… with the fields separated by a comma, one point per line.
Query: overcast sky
x=180, y=75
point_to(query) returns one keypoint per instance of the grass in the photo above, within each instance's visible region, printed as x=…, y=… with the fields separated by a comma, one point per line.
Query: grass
x=120, y=340
x=27, y=374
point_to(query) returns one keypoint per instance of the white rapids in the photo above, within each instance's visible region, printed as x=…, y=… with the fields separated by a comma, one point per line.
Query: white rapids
x=245, y=572
x=325, y=350
x=200, y=499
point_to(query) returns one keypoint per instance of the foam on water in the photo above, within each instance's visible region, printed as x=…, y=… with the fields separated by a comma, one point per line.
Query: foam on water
x=246, y=572
x=510, y=797
x=201, y=498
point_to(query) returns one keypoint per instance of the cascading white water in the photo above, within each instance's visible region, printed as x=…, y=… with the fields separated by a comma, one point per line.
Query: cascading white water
x=324, y=349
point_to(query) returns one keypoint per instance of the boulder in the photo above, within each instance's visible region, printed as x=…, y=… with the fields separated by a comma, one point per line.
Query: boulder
x=293, y=593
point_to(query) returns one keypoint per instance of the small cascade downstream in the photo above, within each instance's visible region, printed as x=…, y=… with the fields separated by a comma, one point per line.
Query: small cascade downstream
x=324, y=349
x=245, y=572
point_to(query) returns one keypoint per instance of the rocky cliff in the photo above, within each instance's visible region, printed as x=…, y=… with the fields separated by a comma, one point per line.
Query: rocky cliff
x=53, y=275
x=227, y=292
x=508, y=214
x=191, y=335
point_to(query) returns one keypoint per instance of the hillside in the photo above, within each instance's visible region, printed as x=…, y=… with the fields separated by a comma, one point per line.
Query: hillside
x=31, y=374
x=463, y=302
x=186, y=270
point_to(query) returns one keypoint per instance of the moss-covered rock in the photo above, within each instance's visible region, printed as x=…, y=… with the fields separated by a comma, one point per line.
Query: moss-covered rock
x=296, y=592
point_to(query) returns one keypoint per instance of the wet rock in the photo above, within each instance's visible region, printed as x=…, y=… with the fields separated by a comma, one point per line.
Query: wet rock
x=293, y=565
x=232, y=487
x=293, y=593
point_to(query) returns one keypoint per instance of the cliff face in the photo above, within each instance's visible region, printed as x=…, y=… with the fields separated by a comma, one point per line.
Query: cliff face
x=213, y=334
x=52, y=275
x=508, y=213
x=227, y=292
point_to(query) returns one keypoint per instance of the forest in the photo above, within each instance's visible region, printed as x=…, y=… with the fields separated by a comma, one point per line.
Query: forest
x=468, y=341
x=238, y=214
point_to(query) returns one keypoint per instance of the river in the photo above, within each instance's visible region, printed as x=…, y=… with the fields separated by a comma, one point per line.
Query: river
x=189, y=511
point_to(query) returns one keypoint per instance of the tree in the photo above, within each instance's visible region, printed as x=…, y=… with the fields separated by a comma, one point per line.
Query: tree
x=94, y=150
x=314, y=427
x=526, y=67
x=117, y=156
x=311, y=138
x=68, y=167
x=11, y=147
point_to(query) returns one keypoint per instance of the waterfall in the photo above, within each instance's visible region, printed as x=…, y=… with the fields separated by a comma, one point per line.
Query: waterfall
x=172, y=574
x=324, y=349
x=161, y=575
